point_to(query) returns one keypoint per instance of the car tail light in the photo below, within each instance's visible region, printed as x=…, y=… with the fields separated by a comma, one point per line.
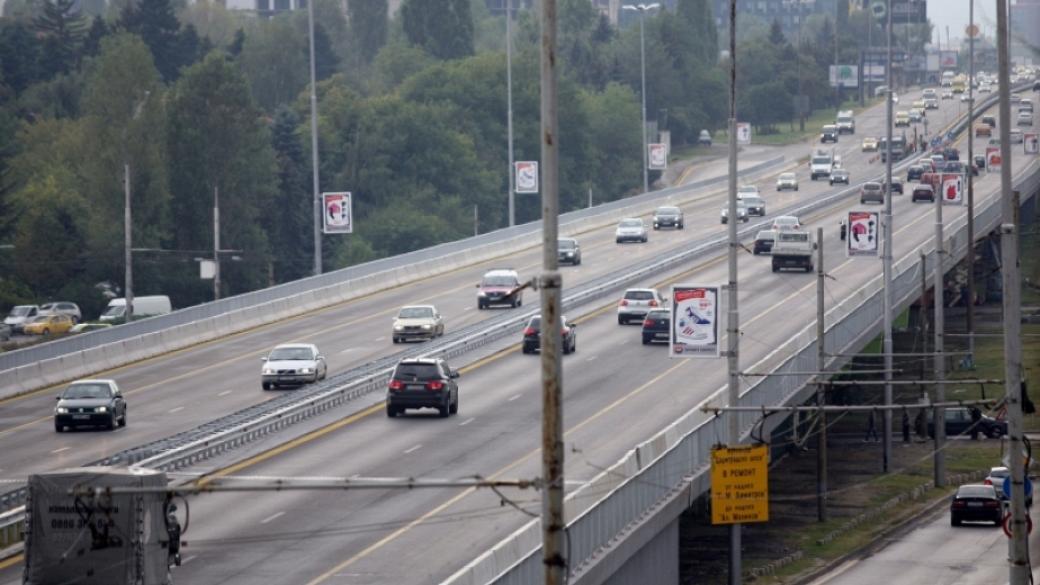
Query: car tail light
x=958, y=503
x=987, y=482
x=624, y=302
x=530, y=331
x=435, y=385
x=396, y=385
x=992, y=504
x=653, y=303
x=648, y=323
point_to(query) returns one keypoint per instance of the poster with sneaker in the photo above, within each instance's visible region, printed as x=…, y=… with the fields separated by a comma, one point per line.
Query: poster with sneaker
x=695, y=321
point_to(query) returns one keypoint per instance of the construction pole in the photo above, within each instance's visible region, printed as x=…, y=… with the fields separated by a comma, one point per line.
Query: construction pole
x=128, y=258
x=509, y=108
x=314, y=143
x=938, y=455
x=550, y=285
x=216, y=243
x=821, y=398
x=733, y=315
x=1018, y=553
x=970, y=313
x=886, y=259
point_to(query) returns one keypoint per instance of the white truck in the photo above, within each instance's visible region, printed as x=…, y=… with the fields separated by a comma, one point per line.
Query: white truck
x=147, y=306
x=820, y=164
x=846, y=122
x=793, y=249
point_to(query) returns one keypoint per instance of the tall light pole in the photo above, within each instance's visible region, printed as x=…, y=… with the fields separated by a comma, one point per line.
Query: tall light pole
x=970, y=313
x=886, y=258
x=128, y=224
x=732, y=312
x=509, y=108
x=314, y=142
x=642, y=9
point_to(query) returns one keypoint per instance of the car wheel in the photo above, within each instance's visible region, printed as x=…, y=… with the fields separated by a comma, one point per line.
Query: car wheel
x=111, y=425
x=391, y=411
x=396, y=340
x=454, y=408
x=621, y=320
x=775, y=267
x=644, y=239
x=46, y=332
x=954, y=521
x=994, y=433
x=59, y=428
x=525, y=349
x=512, y=304
x=265, y=385
x=480, y=306
x=646, y=340
x=618, y=241
x=122, y=419
x=444, y=410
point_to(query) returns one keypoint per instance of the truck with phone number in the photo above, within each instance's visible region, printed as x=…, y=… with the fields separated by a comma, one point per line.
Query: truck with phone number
x=793, y=249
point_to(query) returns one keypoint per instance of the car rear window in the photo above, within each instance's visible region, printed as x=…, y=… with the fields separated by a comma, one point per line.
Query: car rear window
x=414, y=372
x=632, y=223
x=659, y=314
x=567, y=244
x=639, y=295
x=766, y=235
x=975, y=491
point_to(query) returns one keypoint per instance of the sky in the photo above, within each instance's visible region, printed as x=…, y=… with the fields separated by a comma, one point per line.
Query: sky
x=954, y=14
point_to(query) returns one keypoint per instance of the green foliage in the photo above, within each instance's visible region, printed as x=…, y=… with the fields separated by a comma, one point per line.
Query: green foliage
x=444, y=28
x=61, y=28
x=21, y=53
x=397, y=62
x=289, y=228
x=275, y=61
x=155, y=22
x=368, y=25
x=49, y=234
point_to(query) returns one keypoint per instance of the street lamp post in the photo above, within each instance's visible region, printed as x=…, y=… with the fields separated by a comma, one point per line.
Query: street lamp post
x=642, y=9
x=128, y=223
x=314, y=143
x=509, y=107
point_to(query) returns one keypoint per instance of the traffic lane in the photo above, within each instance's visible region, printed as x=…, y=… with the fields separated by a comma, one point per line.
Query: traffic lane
x=932, y=551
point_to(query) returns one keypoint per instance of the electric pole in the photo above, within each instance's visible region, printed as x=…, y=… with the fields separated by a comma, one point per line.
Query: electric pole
x=509, y=109
x=314, y=143
x=821, y=398
x=128, y=257
x=733, y=320
x=550, y=285
x=970, y=313
x=886, y=258
x=939, y=457
x=216, y=242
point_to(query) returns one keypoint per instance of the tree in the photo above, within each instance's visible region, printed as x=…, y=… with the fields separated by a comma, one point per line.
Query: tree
x=444, y=28
x=325, y=60
x=61, y=28
x=20, y=48
x=92, y=43
x=155, y=22
x=776, y=34
x=368, y=22
x=49, y=234
x=699, y=24
x=289, y=230
x=237, y=43
x=275, y=61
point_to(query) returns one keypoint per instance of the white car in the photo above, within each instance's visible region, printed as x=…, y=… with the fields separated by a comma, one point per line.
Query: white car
x=1025, y=118
x=1016, y=136
x=747, y=190
x=947, y=94
x=292, y=364
x=631, y=229
x=755, y=204
x=417, y=322
x=62, y=308
x=742, y=213
x=636, y=303
x=786, y=222
x=787, y=181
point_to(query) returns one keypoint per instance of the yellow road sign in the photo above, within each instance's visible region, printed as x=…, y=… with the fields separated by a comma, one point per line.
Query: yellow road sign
x=740, y=484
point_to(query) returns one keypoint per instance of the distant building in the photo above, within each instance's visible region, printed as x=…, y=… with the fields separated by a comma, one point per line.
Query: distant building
x=789, y=13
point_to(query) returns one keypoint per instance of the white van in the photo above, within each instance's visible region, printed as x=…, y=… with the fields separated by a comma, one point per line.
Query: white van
x=20, y=315
x=143, y=307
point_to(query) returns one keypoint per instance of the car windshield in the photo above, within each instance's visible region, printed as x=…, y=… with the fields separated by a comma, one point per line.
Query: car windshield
x=872, y=186
x=840, y=172
x=290, y=353
x=114, y=311
x=499, y=281
x=19, y=311
x=753, y=200
x=632, y=223
x=787, y=177
x=667, y=211
x=786, y=220
x=1000, y=472
x=76, y=391
x=748, y=189
x=567, y=244
x=416, y=372
x=638, y=295
x=821, y=160
x=923, y=189
x=975, y=491
x=416, y=313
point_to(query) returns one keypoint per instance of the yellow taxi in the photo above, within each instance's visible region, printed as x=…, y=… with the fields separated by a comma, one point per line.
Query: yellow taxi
x=902, y=118
x=870, y=144
x=48, y=324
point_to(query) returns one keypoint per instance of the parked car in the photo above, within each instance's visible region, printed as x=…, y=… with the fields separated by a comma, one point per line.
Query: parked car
x=532, y=335
x=20, y=315
x=95, y=403
x=764, y=242
x=292, y=364
x=48, y=325
x=62, y=308
x=631, y=229
x=976, y=503
x=499, y=287
x=668, y=216
x=5, y=332
x=423, y=383
x=657, y=326
x=636, y=303
x=742, y=213
x=959, y=422
x=839, y=176
x=871, y=192
x=569, y=251
x=146, y=306
x=914, y=172
x=923, y=192
x=417, y=322
x=996, y=478
x=787, y=181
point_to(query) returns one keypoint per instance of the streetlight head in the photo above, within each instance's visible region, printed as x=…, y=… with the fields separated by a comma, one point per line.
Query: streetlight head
x=653, y=6
x=629, y=7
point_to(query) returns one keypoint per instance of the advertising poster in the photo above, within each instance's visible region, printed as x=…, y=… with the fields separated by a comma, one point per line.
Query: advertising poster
x=338, y=217
x=695, y=321
x=993, y=158
x=526, y=176
x=952, y=189
x=743, y=133
x=862, y=238
x=1031, y=143
x=658, y=156
x=844, y=76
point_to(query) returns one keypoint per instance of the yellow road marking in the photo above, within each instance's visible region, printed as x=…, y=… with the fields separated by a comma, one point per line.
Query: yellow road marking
x=10, y=562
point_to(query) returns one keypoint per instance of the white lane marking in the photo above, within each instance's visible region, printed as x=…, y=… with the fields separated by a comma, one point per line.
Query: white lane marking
x=272, y=517
x=380, y=339
x=178, y=409
x=589, y=359
x=225, y=393
x=466, y=422
x=60, y=450
x=187, y=560
x=350, y=349
x=413, y=449
x=513, y=397
x=467, y=308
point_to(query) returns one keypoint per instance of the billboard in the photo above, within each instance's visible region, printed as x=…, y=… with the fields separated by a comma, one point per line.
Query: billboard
x=862, y=237
x=743, y=133
x=952, y=189
x=909, y=11
x=526, y=176
x=695, y=321
x=844, y=75
x=1030, y=143
x=992, y=159
x=658, y=154
x=339, y=216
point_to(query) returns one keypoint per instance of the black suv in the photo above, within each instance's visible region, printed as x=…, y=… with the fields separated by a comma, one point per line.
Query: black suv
x=422, y=383
x=668, y=217
x=533, y=340
x=764, y=242
x=657, y=326
x=914, y=172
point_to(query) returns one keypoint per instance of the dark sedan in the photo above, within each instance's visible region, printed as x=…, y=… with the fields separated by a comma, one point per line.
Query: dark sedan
x=914, y=172
x=976, y=503
x=93, y=403
x=668, y=217
x=923, y=192
x=657, y=326
x=897, y=186
x=533, y=341
x=764, y=242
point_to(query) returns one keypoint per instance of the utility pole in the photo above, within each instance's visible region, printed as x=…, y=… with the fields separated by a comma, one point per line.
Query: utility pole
x=970, y=313
x=216, y=242
x=1018, y=552
x=550, y=285
x=128, y=257
x=476, y=221
x=924, y=309
x=642, y=8
x=938, y=455
x=821, y=398
x=886, y=258
x=509, y=108
x=314, y=143
x=733, y=320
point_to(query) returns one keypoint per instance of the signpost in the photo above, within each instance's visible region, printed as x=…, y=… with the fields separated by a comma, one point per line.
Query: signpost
x=695, y=321
x=338, y=216
x=740, y=484
x=862, y=236
x=526, y=176
x=658, y=156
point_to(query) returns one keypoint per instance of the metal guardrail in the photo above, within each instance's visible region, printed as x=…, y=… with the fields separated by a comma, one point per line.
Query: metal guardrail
x=215, y=309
